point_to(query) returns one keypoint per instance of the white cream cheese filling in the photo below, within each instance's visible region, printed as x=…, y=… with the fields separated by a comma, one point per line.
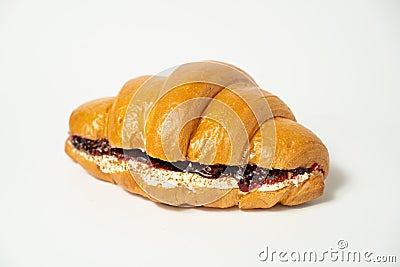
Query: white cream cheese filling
x=106, y=163
x=171, y=179
x=294, y=180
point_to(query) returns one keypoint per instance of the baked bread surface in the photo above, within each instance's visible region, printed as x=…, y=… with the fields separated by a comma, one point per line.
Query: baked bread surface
x=229, y=122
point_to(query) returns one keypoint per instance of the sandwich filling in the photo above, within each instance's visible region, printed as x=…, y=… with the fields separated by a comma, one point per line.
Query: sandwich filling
x=186, y=173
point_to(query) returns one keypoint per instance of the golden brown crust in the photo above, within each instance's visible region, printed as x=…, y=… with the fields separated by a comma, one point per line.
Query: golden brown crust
x=229, y=122
x=284, y=144
x=187, y=92
x=169, y=125
x=278, y=107
x=165, y=136
x=90, y=119
x=229, y=200
x=119, y=107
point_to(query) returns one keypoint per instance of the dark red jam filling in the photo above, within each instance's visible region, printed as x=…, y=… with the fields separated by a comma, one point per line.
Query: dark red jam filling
x=249, y=176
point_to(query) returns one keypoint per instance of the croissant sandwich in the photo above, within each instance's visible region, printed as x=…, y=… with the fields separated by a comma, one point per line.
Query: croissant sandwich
x=200, y=134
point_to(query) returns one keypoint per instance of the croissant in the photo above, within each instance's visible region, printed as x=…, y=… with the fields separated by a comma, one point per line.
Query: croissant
x=201, y=134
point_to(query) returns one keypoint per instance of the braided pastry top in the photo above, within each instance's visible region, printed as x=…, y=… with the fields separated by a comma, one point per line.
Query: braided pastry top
x=206, y=112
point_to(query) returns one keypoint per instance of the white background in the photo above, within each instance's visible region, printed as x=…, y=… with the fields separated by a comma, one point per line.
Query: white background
x=336, y=64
